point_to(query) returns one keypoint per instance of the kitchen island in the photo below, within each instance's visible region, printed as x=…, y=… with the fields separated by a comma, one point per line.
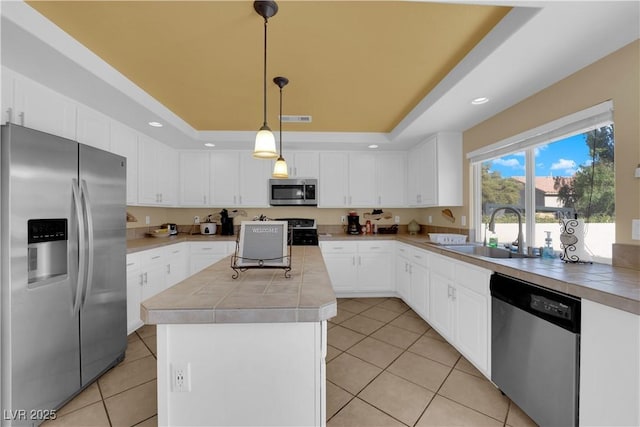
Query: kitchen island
x=249, y=351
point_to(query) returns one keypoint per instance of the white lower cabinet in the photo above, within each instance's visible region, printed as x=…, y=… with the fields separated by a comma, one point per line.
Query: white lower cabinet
x=204, y=254
x=459, y=307
x=176, y=261
x=412, y=277
x=154, y=272
x=357, y=268
x=134, y=292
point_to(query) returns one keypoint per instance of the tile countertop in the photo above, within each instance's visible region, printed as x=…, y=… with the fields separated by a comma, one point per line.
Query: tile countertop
x=612, y=286
x=137, y=245
x=256, y=296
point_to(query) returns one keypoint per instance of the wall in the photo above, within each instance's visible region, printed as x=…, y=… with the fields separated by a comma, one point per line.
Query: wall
x=615, y=77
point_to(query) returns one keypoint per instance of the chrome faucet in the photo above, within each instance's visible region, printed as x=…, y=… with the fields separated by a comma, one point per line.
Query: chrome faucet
x=492, y=225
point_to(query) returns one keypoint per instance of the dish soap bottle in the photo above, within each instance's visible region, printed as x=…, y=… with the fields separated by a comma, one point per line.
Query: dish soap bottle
x=547, y=251
x=493, y=239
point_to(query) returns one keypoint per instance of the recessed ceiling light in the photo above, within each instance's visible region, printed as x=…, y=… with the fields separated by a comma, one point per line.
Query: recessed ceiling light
x=373, y=146
x=481, y=100
x=156, y=124
x=209, y=144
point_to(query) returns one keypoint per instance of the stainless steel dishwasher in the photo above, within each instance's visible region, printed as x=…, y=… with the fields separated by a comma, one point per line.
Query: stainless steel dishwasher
x=535, y=349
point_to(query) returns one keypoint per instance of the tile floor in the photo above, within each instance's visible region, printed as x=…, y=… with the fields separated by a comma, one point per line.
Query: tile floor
x=385, y=367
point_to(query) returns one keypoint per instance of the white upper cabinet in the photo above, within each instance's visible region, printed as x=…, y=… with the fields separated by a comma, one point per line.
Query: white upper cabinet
x=253, y=178
x=391, y=179
x=93, y=128
x=362, y=179
x=6, y=96
x=238, y=179
x=223, y=186
x=124, y=142
x=435, y=171
x=38, y=107
x=157, y=173
x=333, y=180
x=302, y=164
x=194, y=179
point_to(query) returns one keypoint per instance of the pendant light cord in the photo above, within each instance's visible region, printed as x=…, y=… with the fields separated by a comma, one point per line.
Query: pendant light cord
x=264, y=76
x=280, y=122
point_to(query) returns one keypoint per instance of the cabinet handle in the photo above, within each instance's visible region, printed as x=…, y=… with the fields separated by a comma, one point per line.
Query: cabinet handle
x=155, y=257
x=234, y=200
x=448, y=291
x=337, y=247
x=240, y=199
x=344, y=198
x=9, y=115
x=410, y=269
x=168, y=268
x=406, y=267
x=141, y=279
x=359, y=260
x=204, y=199
x=21, y=115
x=379, y=200
x=206, y=249
x=350, y=200
x=145, y=278
x=130, y=264
x=353, y=260
x=374, y=247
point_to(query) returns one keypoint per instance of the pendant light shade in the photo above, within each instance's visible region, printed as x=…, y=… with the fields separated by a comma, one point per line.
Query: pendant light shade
x=265, y=146
x=280, y=169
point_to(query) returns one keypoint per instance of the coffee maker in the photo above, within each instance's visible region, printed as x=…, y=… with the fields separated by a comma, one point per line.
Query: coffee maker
x=226, y=223
x=353, y=227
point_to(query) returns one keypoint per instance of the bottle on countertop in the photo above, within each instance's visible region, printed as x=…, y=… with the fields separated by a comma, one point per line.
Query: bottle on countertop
x=368, y=227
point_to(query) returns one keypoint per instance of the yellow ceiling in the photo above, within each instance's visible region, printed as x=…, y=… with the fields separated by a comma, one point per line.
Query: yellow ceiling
x=355, y=66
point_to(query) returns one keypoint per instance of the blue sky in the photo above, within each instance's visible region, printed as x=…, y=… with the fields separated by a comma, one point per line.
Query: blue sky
x=560, y=158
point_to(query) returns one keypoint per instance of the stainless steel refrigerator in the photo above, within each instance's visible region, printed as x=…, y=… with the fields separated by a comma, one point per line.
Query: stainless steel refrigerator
x=63, y=250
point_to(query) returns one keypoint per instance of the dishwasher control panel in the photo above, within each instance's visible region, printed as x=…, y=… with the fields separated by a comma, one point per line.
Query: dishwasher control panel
x=550, y=307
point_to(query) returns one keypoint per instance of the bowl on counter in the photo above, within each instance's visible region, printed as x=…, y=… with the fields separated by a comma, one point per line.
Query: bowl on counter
x=208, y=228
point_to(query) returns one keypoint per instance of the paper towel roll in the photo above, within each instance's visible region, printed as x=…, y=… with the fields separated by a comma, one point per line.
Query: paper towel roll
x=572, y=241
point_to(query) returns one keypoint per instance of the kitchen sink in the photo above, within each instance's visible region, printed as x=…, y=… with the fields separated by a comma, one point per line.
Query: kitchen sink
x=485, y=251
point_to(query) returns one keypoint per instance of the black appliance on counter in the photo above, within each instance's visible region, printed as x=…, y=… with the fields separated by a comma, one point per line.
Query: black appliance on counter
x=353, y=226
x=304, y=231
x=226, y=223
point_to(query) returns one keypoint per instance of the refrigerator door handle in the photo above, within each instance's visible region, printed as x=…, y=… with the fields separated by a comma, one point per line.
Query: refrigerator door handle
x=81, y=239
x=84, y=191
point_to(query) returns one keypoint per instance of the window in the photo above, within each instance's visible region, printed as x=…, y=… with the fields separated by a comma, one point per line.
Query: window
x=559, y=171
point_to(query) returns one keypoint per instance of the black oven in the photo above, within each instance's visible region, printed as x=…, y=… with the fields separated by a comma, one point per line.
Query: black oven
x=293, y=192
x=303, y=231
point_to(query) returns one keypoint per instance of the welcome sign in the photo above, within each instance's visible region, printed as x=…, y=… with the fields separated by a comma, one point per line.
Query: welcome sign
x=263, y=243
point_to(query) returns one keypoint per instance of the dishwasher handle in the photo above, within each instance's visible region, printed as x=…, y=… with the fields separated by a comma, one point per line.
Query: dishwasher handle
x=560, y=309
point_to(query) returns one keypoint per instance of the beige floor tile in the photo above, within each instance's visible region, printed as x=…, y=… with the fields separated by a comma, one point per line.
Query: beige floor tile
x=445, y=412
x=151, y=422
x=343, y=338
x=146, y=330
x=432, y=333
x=133, y=337
x=89, y=416
x=359, y=413
x=411, y=323
x=133, y=406
x=128, y=375
x=88, y=396
x=380, y=314
x=151, y=342
x=396, y=336
x=351, y=373
x=517, y=418
x=419, y=370
x=332, y=353
x=437, y=350
x=136, y=349
x=342, y=316
x=397, y=397
x=465, y=366
x=372, y=301
x=353, y=306
x=336, y=399
x=376, y=352
x=476, y=393
x=362, y=324
x=330, y=325
x=394, y=304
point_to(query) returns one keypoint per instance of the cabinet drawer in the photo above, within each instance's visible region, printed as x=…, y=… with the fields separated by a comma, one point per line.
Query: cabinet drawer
x=374, y=247
x=403, y=250
x=177, y=249
x=442, y=266
x=473, y=278
x=133, y=262
x=419, y=257
x=338, y=247
x=218, y=248
x=152, y=256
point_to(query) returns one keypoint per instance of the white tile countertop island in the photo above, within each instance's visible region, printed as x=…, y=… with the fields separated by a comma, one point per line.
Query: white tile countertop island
x=245, y=351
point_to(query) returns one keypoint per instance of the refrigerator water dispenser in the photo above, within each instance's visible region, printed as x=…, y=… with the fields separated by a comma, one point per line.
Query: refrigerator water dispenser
x=46, y=249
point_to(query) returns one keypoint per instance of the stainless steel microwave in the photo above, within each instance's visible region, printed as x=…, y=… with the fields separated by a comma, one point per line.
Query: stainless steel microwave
x=293, y=192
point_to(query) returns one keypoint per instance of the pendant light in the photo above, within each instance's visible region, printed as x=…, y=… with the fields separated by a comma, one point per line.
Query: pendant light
x=265, y=146
x=280, y=169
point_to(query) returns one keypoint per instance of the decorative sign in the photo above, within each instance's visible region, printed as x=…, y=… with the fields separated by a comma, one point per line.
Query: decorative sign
x=263, y=244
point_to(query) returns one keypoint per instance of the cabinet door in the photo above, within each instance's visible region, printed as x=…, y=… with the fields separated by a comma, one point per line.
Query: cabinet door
x=391, y=179
x=403, y=278
x=419, y=289
x=375, y=272
x=41, y=108
x=224, y=178
x=148, y=193
x=472, y=326
x=343, y=271
x=204, y=254
x=194, y=178
x=333, y=180
x=304, y=165
x=134, y=293
x=428, y=185
x=176, y=261
x=154, y=280
x=93, y=128
x=362, y=180
x=6, y=97
x=254, y=177
x=439, y=305
x=124, y=142
x=167, y=175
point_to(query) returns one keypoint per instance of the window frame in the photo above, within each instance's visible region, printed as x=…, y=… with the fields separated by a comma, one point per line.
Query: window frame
x=580, y=122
